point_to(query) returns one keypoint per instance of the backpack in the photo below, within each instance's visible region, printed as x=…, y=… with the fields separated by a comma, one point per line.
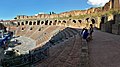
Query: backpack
x=85, y=35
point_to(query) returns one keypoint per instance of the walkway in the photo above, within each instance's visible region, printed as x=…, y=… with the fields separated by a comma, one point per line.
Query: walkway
x=104, y=50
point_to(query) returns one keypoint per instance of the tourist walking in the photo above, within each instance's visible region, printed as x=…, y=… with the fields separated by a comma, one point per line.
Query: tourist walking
x=91, y=31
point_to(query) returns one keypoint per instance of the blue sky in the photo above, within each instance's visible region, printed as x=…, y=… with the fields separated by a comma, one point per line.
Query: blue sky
x=11, y=8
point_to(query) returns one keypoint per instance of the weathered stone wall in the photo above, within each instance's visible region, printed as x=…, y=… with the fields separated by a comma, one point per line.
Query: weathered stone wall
x=117, y=19
x=106, y=23
x=116, y=4
x=116, y=26
x=107, y=6
x=116, y=29
x=111, y=24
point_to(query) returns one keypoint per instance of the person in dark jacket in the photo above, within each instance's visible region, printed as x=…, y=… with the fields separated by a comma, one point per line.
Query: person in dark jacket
x=84, y=33
x=91, y=31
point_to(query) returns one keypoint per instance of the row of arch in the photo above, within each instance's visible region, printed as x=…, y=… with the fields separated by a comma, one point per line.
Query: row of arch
x=55, y=22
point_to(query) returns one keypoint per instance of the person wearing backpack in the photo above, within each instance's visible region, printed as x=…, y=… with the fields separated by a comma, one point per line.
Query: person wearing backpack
x=84, y=33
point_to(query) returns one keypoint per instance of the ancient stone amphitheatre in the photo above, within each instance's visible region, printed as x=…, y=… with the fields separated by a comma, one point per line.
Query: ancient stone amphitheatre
x=54, y=40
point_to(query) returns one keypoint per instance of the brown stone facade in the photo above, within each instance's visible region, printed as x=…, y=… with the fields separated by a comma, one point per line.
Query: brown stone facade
x=116, y=26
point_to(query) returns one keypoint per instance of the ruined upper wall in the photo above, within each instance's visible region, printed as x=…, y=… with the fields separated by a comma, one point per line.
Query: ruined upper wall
x=112, y=4
x=116, y=4
x=107, y=6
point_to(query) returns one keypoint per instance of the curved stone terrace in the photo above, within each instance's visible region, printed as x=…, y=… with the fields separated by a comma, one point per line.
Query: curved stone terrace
x=26, y=44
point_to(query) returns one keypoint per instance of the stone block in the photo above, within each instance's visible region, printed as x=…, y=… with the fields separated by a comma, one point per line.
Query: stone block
x=103, y=27
x=116, y=29
x=117, y=19
x=108, y=27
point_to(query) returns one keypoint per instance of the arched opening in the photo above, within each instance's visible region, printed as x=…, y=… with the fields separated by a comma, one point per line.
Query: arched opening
x=114, y=19
x=34, y=23
x=74, y=21
x=55, y=20
x=38, y=22
x=26, y=22
x=80, y=21
x=46, y=22
x=54, y=23
x=18, y=24
x=30, y=23
x=22, y=28
x=102, y=21
x=31, y=28
x=42, y=22
x=22, y=23
x=64, y=21
x=87, y=19
x=50, y=23
x=59, y=22
x=39, y=29
x=93, y=21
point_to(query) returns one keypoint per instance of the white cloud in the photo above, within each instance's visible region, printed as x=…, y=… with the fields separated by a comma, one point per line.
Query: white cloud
x=41, y=13
x=97, y=2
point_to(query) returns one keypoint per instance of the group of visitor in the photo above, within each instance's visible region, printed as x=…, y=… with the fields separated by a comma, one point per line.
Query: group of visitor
x=87, y=34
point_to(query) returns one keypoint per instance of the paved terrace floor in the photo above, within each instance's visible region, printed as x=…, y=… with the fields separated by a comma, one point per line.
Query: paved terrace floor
x=104, y=50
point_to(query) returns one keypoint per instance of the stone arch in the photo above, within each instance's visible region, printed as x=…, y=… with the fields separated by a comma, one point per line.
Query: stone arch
x=46, y=22
x=34, y=23
x=50, y=23
x=64, y=21
x=102, y=21
x=114, y=17
x=39, y=29
x=74, y=21
x=42, y=22
x=22, y=28
x=22, y=23
x=55, y=22
x=80, y=21
x=18, y=23
x=93, y=21
x=30, y=23
x=38, y=22
x=26, y=22
x=87, y=19
x=86, y=24
x=31, y=28
x=59, y=22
